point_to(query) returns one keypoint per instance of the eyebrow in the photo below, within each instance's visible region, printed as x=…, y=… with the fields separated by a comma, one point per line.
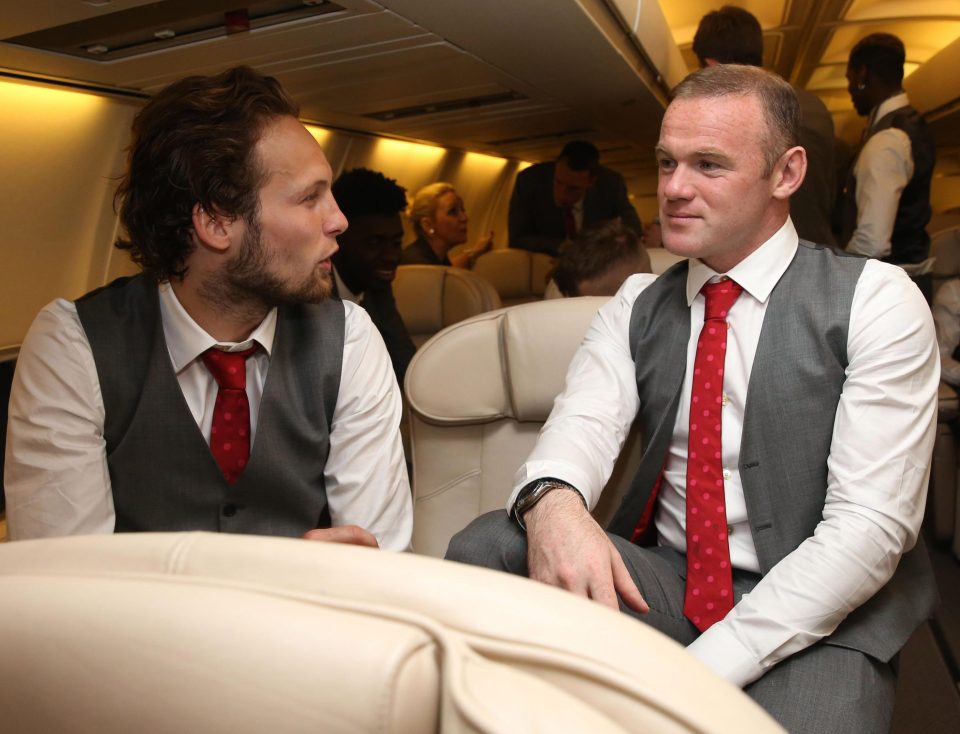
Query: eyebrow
x=714, y=153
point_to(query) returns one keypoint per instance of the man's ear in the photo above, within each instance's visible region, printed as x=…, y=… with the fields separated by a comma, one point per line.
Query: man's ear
x=212, y=228
x=789, y=172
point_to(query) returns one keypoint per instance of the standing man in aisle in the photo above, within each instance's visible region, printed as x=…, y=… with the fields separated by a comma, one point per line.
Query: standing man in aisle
x=886, y=201
x=555, y=201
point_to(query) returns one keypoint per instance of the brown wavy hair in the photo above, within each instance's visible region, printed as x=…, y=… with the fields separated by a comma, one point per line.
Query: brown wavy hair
x=193, y=143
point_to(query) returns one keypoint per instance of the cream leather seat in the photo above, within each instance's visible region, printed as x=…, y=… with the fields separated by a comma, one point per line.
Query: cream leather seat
x=662, y=260
x=199, y=632
x=431, y=297
x=945, y=252
x=519, y=276
x=478, y=394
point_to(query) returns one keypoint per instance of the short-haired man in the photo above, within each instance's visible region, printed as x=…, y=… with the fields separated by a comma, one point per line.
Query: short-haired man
x=733, y=35
x=783, y=516
x=886, y=201
x=554, y=201
x=370, y=250
x=598, y=261
x=220, y=389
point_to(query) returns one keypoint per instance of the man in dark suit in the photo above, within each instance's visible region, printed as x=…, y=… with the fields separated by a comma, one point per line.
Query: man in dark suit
x=787, y=396
x=732, y=35
x=369, y=254
x=552, y=202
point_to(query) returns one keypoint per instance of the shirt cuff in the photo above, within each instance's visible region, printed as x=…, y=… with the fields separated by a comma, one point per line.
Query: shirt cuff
x=725, y=655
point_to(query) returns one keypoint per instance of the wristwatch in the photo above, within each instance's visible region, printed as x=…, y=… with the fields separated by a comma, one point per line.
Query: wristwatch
x=534, y=492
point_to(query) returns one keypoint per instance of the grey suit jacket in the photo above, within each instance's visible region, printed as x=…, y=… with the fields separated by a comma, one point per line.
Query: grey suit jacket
x=536, y=222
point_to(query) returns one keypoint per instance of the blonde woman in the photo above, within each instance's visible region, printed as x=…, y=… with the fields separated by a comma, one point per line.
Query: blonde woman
x=440, y=222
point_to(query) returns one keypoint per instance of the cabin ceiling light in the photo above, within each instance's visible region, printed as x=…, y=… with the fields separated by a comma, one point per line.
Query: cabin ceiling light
x=164, y=33
x=97, y=49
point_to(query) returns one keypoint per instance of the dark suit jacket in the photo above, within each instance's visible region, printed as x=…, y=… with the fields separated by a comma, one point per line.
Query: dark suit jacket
x=382, y=309
x=419, y=252
x=812, y=204
x=536, y=222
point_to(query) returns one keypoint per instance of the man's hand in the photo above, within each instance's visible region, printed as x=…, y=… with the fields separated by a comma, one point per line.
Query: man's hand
x=566, y=548
x=349, y=534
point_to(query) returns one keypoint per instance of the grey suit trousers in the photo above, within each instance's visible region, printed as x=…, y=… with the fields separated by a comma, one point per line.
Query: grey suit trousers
x=824, y=689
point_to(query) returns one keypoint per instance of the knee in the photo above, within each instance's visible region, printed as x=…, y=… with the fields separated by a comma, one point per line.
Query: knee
x=492, y=541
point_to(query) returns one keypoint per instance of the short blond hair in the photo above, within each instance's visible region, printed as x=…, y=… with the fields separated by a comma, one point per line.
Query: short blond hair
x=424, y=203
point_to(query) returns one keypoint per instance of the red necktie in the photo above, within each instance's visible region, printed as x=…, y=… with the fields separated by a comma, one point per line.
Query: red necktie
x=709, y=594
x=569, y=222
x=230, y=432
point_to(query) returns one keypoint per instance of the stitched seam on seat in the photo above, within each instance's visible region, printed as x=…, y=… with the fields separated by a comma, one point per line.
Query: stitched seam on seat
x=460, y=479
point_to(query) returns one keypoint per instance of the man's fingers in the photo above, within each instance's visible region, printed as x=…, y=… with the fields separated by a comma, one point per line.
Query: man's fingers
x=624, y=584
x=349, y=534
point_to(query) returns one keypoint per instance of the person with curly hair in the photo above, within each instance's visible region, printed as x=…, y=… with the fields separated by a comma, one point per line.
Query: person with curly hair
x=221, y=388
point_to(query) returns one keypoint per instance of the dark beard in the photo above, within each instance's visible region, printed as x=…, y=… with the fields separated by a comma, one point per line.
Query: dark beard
x=246, y=286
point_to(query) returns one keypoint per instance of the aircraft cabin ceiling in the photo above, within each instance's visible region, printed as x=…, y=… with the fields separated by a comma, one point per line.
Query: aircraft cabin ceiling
x=516, y=78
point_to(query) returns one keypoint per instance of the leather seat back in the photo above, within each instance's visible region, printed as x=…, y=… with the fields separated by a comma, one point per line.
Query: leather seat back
x=431, y=297
x=478, y=394
x=201, y=632
x=519, y=276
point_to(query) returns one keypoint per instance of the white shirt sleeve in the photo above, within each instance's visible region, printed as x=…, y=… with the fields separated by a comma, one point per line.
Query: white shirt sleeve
x=883, y=169
x=877, y=479
x=56, y=478
x=590, y=419
x=366, y=474
x=946, y=315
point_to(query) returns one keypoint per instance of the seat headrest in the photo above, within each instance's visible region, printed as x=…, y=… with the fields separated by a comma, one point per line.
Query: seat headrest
x=430, y=297
x=507, y=363
x=945, y=249
x=515, y=273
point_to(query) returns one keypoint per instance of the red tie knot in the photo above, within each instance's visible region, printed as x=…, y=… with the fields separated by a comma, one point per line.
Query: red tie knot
x=228, y=368
x=720, y=297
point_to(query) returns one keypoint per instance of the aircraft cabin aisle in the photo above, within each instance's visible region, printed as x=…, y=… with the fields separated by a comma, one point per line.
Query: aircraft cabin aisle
x=428, y=90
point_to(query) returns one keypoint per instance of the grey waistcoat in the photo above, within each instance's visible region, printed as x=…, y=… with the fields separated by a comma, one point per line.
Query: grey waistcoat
x=162, y=473
x=795, y=385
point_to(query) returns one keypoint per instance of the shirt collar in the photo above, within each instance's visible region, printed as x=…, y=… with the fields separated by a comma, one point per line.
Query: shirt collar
x=186, y=340
x=345, y=293
x=889, y=105
x=758, y=273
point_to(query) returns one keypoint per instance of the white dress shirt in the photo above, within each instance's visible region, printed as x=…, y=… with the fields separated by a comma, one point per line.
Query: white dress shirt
x=877, y=470
x=883, y=168
x=946, y=315
x=57, y=481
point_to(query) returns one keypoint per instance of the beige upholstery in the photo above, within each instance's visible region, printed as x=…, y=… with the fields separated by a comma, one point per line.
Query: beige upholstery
x=942, y=497
x=662, y=260
x=519, y=276
x=197, y=632
x=430, y=297
x=945, y=252
x=478, y=394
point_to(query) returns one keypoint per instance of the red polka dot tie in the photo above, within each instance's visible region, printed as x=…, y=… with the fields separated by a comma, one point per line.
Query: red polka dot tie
x=230, y=432
x=709, y=593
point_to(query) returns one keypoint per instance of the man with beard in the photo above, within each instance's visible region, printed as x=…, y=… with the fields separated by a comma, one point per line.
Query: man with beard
x=366, y=263
x=220, y=389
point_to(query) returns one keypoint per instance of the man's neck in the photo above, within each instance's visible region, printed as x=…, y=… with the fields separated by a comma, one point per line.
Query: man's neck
x=223, y=318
